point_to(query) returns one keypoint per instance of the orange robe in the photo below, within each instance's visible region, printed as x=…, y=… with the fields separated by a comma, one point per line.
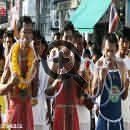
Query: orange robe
x=65, y=113
x=20, y=114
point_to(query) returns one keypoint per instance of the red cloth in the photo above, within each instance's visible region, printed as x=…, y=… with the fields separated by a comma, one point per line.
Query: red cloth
x=65, y=114
x=20, y=114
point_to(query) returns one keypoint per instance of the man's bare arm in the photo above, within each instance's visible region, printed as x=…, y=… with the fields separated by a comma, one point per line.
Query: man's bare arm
x=5, y=76
x=125, y=80
x=98, y=78
x=95, y=84
x=4, y=88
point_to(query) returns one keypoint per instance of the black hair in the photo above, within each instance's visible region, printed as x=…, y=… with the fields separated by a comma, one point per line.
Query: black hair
x=84, y=43
x=87, y=53
x=96, y=52
x=76, y=34
x=68, y=26
x=112, y=38
x=10, y=34
x=90, y=43
x=2, y=33
x=36, y=34
x=124, y=33
x=58, y=34
x=44, y=42
x=23, y=19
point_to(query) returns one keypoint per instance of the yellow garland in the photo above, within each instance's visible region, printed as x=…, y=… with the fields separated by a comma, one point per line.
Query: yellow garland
x=15, y=67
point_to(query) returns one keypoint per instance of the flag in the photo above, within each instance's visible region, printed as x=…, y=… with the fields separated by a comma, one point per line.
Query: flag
x=113, y=18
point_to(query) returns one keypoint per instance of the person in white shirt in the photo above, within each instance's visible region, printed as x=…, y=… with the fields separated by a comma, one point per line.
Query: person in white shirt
x=122, y=54
x=39, y=107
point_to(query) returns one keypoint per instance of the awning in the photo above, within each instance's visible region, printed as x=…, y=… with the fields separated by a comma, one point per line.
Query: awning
x=88, y=14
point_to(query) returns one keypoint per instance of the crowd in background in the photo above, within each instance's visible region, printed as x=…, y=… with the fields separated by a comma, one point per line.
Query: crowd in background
x=64, y=104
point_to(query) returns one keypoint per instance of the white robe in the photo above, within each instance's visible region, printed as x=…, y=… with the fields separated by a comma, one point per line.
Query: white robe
x=84, y=117
x=83, y=112
x=126, y=103
x=39, y=110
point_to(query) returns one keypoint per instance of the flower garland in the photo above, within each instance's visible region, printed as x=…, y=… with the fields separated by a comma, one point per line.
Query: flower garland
x=15, y=66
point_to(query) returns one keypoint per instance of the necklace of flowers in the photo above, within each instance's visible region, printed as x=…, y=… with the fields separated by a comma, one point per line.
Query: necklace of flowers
x=15, y=66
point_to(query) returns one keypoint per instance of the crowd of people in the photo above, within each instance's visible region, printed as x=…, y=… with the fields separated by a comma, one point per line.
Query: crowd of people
x=32, y=98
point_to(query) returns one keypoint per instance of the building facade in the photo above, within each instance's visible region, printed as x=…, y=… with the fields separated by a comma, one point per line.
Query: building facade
x=53, y=14
x=30, y=10
x=44, y=22
x=50, y=15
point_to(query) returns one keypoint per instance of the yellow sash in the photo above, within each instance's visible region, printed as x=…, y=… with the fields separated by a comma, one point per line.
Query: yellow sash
x=3, y=104
x=3, y=101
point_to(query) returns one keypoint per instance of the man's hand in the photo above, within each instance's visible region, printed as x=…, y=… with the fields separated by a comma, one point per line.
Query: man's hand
x=4, y=88
x=56, y=82
x=51, y=89
x=14, y=80
x=126, y=83
x=89, y=103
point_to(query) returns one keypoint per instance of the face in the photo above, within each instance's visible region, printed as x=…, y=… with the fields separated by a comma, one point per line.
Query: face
x=39, y=47
x=109, y=50
x=26, y=32
x=123, y=46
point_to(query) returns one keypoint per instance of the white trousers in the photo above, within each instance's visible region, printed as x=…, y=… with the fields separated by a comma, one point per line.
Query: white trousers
x=84, y=117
